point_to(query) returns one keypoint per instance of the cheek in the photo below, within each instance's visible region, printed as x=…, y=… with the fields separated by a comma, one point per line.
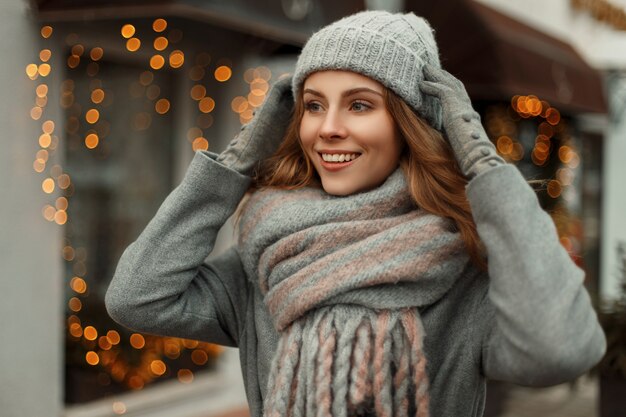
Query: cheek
x=306, y=132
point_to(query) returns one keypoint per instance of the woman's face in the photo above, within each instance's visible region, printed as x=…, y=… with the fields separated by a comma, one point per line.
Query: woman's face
x=347, y=131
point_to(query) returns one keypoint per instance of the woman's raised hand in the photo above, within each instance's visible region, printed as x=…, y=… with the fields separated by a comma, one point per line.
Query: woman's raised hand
x=473, y=150
x=260, y=138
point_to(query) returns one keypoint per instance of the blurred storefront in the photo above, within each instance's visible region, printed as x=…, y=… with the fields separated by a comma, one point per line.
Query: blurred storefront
x=123, y=92
x=531, y=90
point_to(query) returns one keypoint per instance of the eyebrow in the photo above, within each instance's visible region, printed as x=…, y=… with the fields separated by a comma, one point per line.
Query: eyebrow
x=346, y=93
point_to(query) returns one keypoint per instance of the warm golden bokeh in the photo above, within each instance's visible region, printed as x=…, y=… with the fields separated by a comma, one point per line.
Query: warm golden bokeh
x=206, y=105
x=97, y=96
x=41, y=90
x=91, y=140
x=60, y=217
x=223, y=73
x=553, y=116
x=137, y=341
x=177, y=59
x=73, y=61
x=133, y=44
x=32, y=71
x=44, y=55
x=48, y=126
x=96, y=53
x=239, y=104
x=158, y=367
x=200, y=144
x=128, y=31
x=78, y=285
x=68, y=253
x=160, y=43
x=113, y=336
x=162, y=106
x=48, y=212
x=104, y=343
x=35, y=113
x=44, y=70
x=46, y=32
x=554, y=188
x=185, y=376
x=48, y=185
x=198, y=92
x=157, y=62
x=199, y=357
x=76, y=330
x=90, y=333
x=92, y=358
x=44, y=140
x=159, y=25
x=92, y=116
x=78, y=50
x=75, y=305
x=255, y=100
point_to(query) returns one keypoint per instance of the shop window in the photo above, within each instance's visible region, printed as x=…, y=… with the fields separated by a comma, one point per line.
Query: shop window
x=118, y=169
x=547, y=148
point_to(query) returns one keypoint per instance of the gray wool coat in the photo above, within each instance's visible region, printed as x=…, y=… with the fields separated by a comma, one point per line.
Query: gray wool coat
x=528, y=321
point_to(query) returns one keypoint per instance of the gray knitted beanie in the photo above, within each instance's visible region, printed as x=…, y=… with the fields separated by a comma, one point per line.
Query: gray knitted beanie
x=389, y=48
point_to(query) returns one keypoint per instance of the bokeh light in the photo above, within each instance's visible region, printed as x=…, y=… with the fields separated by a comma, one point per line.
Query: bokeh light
x=223, y=73
x=200, y=144
x=137, y=341
x=160, y=43
x=128, y=31
x=46, y=32
x=96, y=53
x=162, y=106
x=133, y=44
x=206, y=105
x=159, y=25
x=157, y=62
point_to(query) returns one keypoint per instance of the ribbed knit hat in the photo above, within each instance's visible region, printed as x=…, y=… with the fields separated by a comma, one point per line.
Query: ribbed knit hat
x=390, y=48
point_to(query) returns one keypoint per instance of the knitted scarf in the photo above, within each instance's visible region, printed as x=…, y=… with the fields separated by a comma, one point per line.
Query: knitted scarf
x=343, y=279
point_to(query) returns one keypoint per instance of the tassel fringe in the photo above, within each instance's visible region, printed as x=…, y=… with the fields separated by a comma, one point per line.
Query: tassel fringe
x=345, y=361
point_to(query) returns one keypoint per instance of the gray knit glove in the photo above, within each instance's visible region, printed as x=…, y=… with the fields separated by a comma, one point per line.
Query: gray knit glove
x=260, y=138
x=472, y=148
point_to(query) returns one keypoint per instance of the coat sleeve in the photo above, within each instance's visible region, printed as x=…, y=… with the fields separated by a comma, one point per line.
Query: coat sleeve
x=162, y=283
x=543, y=328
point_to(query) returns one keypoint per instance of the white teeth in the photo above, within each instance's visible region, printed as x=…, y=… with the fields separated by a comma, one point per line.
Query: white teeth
x=336, y=157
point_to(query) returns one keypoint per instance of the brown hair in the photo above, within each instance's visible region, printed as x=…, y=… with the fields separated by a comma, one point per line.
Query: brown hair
x=434, y=179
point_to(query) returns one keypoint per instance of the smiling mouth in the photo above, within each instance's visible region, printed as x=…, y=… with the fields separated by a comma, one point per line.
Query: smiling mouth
x=338, y=157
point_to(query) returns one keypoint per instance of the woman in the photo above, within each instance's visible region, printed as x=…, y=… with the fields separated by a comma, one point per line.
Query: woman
x=388, y=262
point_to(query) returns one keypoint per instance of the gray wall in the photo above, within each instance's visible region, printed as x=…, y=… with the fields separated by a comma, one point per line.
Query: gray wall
x=30, y=253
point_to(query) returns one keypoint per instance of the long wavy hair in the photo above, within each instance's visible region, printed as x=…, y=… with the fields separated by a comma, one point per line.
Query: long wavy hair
x=433, y=176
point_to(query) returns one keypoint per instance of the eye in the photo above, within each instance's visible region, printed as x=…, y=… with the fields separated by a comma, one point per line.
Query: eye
x=312, y=106
x=360, y=106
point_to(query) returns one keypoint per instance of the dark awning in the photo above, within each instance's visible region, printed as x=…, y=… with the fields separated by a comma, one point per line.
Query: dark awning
x=288, y=22
x=498, y=57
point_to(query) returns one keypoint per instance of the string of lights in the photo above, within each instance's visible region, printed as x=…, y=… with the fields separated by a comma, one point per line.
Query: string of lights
x=502, y=125
x=105, y=349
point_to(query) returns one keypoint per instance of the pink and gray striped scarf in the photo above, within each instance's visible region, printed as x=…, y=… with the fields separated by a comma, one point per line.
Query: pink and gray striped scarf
x=343, y=279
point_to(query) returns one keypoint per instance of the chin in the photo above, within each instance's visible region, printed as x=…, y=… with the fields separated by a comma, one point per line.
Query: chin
x=342, y=189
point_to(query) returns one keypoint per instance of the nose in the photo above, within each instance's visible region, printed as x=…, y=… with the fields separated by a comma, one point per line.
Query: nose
x=333, y=126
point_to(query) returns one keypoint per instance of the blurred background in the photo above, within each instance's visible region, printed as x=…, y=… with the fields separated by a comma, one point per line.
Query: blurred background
x=103, y=103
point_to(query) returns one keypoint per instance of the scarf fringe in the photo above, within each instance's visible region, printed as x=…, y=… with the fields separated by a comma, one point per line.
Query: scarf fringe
x=327, y=365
